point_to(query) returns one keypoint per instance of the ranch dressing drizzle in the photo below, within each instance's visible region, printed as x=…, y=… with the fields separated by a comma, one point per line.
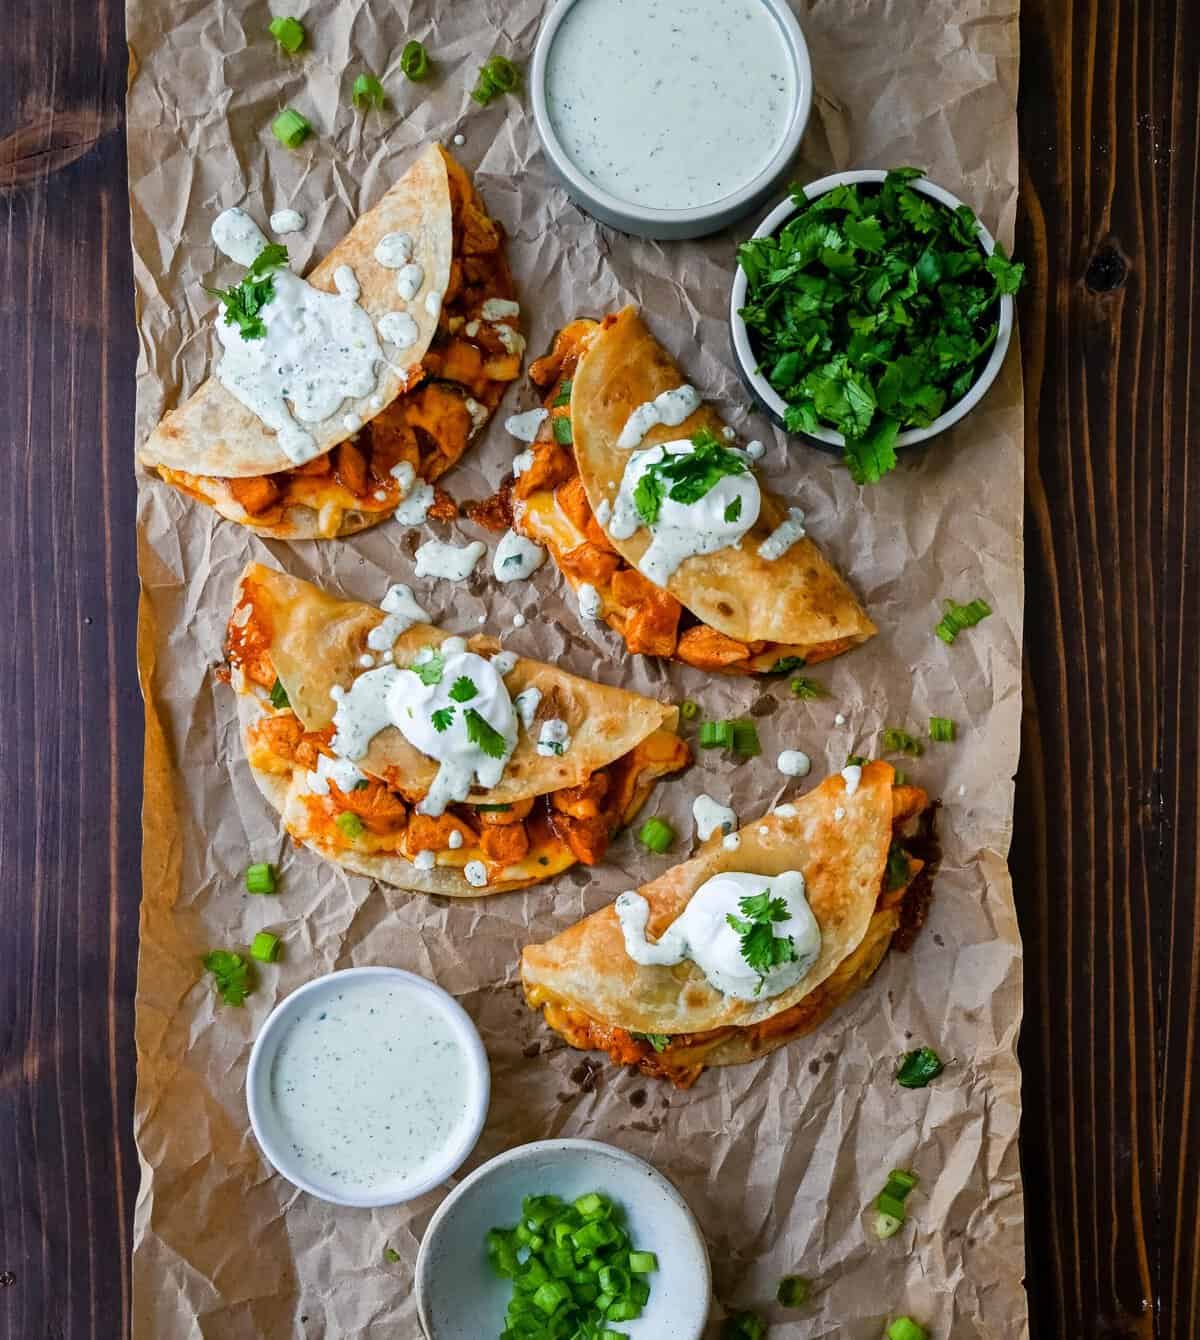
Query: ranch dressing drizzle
x=394, y=250
x=400, y=329
x=555, y=738
x=794, y=763
x=453, y=562
x=526, y=702
x=703, y=934
x=370, y=1084
x=319, y=348
x=670, y=103
x=340, y=771
x=683, y=529
x=712, y=817
x=285, y=221
x=669, y=408
x=402, y=612
x=784, y=536
x=417, y=499
x=391, y=696
x=524, y=427
x=516, y=557
x=409, y=280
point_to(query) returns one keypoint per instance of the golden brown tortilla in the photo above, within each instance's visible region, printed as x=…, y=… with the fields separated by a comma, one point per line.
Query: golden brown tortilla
x=798, y=600
x=839, y=842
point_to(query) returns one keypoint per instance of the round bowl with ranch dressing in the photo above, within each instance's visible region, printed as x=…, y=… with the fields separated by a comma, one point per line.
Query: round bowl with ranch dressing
x=671, y=118
x=368, y=1087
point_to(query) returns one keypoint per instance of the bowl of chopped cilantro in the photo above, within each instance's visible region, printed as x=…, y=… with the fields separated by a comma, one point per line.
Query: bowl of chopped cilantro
x=871, y=311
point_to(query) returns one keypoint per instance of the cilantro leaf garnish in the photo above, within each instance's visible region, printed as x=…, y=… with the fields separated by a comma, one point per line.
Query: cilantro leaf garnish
x=463, y=689
x=429, y=671
x=734, y=510
x=897, y=868
x=659, y=1041
x=442, y=718
x=232, y=974
x=686, y=477
x=873, y=310
x=484, y=735
x=245, y=300
x=760, y=946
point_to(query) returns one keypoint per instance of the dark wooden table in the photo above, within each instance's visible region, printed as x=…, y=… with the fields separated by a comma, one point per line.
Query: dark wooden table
x=1105, y=857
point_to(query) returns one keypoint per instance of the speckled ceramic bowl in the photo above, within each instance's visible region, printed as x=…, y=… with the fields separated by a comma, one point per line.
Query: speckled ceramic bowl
x=460, y=1298
x=674, y=224
x=773, y=402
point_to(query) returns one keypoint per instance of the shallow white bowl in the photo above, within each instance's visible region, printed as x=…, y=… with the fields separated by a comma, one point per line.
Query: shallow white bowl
x=774, y=403
x=264, y=1120
x=672, y=224
x=460, y=1298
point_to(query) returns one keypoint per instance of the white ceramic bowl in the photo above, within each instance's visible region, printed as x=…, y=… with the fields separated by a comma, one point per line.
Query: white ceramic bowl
x=459, y=1297
x=265, y=1122
x=673, y=224
x=774, y=403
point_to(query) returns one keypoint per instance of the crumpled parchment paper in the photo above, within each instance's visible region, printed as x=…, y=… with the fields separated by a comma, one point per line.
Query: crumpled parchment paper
x=780, y=1160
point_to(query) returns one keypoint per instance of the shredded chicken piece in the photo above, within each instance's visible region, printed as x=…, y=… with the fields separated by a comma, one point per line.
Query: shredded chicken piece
x=351, y=467
x=583, y=801
x=587, y=838
x=590, y=563
x=255, y=493
x=500, y=818
x=380, y=809
x=550, y=466
x=504, y=845
x=707, y=649
x=426, y=833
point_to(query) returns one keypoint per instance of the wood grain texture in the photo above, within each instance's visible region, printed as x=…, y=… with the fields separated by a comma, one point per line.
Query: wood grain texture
x=1105, y=859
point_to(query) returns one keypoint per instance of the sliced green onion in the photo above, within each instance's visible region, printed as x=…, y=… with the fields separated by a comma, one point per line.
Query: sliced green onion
x=899, y=741
x=350, y=824
x=367, y=92
x=900, y=1182
x=290, y=128
x=562, y=430
x=715, y=734
x=414, y=61
x=497, y=75
x=656, y=834
x=793, y=1291
x=289, y=33
x=887, y=1225
x=643, y=1263
x=492, y=809
x=918, y=1067
x=279, y=698
x=564, y=394
x=856, y=761
x=265, y=947
x=803, y=687
x=689, y=710
x=900, y=778
x=958, y=617
x=904, y=1328
x=941, y=730
x=889, y=1204
x=260, y=878
x=744, y=1326
x=391, y=1254
x=892, y=1206
x=744, y=740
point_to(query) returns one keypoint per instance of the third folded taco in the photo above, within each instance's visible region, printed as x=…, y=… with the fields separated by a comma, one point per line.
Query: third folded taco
x=753, y=942
x=435, y=763
x=657, y=519
x=338, y=398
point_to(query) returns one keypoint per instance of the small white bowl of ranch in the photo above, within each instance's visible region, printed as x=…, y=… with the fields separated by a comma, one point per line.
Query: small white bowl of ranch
x=368, y=1087
x=671, y=118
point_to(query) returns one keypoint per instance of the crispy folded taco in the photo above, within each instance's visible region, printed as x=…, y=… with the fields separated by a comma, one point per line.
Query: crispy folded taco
x=733, y=602
x=428, y=256
x=320, y=682
x=854, y=840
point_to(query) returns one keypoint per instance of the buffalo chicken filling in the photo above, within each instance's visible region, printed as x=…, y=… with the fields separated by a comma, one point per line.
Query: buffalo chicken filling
x=450, y=395
x=547, y=503
x=681, y=1057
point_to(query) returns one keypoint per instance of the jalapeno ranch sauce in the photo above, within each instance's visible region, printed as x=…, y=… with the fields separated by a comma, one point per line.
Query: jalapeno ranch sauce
x=370, y=1085
x=670, y=104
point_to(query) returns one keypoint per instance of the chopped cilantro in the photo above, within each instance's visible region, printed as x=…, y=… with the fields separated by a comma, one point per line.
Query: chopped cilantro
x=429, y=671
x=687, y=477
x=918, y=1067
x=279, y=697
x=391, y=1254
x=463, y=689
x=659, y=1041
x=442, y=718
x=786, y=664
x=482, y=734
x=561, y=428
x=232, y=973
x=734, y=510
x=246, y=300
x=871, y=311
x=897, y=868
x=897, y=741
x=761, y=947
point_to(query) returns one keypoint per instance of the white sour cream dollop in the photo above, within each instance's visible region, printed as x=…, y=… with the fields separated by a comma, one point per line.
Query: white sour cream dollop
x=453, y=562
x=670, y=408
x=702, y=933
x=516, y=557
x=712, y=817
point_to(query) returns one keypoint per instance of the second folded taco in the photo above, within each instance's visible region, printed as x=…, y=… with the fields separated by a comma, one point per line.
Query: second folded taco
x=435, y=763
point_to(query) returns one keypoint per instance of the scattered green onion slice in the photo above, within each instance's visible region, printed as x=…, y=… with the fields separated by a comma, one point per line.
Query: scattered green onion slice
x=887, y=1225
x=564, y=394
x=656, y=834
x=794, y=1291
x=889, y=1204
x=918, y=1067
x=803, y=687
x=497, y=75
x=368, y=92
x=898, y=867
x=856, y=761
x=744, y=739
x=265, y=947
x=904, y=1328
x=573, y=1268
x=562, y=430
x=279, y=698
x=941, y=730
x=900, y=778
x=689, y=710
x=391, y=1254
x=414, y=61
x=290, y=128
x=492, y=809
x=260, y=878
x=289, y=33
x=958, y=617
x=715, y=734
x=350, y=824
x=744, y=1326
x=899, y=741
